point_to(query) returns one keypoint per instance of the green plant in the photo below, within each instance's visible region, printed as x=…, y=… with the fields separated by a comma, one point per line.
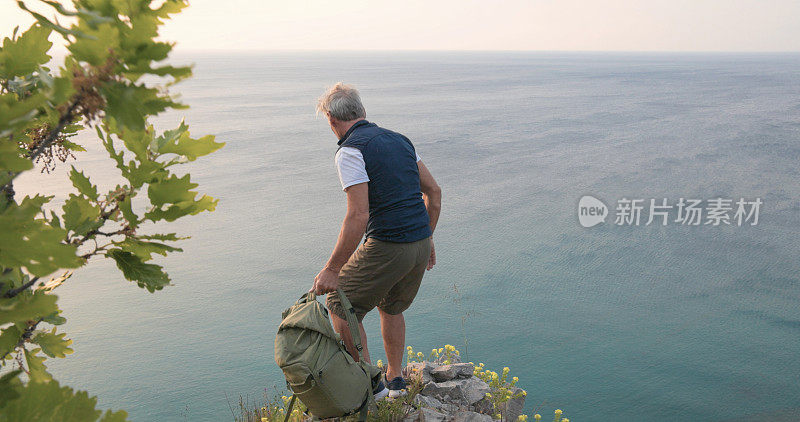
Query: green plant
x=112, y=46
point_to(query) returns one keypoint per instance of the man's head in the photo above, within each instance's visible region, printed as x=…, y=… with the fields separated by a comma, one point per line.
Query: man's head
x=341, y=104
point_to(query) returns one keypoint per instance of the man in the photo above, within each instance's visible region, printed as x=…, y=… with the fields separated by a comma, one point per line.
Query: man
x=392, y=197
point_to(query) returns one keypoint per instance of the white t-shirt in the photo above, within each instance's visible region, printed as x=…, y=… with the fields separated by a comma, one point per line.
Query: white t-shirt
x=351, y=167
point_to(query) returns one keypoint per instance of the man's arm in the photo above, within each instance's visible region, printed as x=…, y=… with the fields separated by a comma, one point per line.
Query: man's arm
x=353, y=228
x=432, y=195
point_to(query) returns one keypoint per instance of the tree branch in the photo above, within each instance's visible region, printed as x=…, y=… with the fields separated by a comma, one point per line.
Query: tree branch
x=62, y=122
x=13, y=292
x=25, y=335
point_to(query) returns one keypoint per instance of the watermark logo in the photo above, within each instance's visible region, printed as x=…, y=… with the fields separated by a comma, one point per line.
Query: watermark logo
x=591, y=211
x=662, y=211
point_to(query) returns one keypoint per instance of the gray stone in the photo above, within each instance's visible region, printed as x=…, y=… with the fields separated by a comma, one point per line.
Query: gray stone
x=420, y=370
x=454, y=358
x=483, y=405
x=513, y=407
x=426, y=415
x=464, y=391
x=427, y=401
x=443, y=373
x=467, y=416
x=464, y=370
x=452, y=371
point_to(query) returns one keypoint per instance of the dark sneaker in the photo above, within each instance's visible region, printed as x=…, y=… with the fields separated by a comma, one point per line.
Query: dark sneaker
x=397, y=387
x=380, y=391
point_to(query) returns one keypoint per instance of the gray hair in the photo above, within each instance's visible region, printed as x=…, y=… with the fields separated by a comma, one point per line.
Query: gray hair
x=342, y=102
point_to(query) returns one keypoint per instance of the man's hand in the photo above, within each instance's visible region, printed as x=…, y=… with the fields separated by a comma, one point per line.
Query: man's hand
x=432, y=259
x=326, y=281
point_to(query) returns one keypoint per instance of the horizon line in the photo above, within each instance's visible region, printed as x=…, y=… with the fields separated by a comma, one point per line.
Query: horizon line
x=178, y=48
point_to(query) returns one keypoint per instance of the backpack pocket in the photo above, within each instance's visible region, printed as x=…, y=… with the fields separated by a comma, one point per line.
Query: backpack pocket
x=308, y=388
x=344, y=380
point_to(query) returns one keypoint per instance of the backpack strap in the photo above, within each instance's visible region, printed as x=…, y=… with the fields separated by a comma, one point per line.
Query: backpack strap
x=352, y=322
x=289, y=409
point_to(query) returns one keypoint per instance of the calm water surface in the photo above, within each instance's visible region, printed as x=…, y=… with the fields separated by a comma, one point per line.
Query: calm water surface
x=647, y=323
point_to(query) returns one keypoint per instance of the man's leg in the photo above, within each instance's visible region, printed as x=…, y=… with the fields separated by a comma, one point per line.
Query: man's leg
x=340, y=325
x=393, y=329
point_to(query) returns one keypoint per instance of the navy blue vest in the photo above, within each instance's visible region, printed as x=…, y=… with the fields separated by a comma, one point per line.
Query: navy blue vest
x=396, y=210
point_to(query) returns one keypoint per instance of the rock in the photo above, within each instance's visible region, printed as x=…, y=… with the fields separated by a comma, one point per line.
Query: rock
x=420, y=370
x=467, y=416
x=454, y=358
x=483, y=405
x=427, y=401
x=463, y=391
x=464, y=370
x=452, y=371
x=443, y=373
x=426, y=415
x=513, y=407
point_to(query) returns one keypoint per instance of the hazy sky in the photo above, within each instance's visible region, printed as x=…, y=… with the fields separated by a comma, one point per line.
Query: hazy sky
x=645, y=25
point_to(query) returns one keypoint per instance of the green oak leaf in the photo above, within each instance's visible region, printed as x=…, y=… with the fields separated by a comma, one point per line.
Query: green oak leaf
x=145, y=172
x=118, y=416
x=180, y=209
x=82, y=183
x=24, y=55
x=10, y=157
x=129, y=104
x=190, y=148
x=145, y=250
x=149, y=276
x=170, y=7
x=50, y=401
x=81, y=216
x=171, y=190
x=123, y=106
x=127, y=212
x=36, y=369
x=9, y=382
x=26, y=241
x=17, y=114
x=27, y=307
x=164, y=237
x=55, y=318
x=9, y=338
x=52, y=344
x=98, y=44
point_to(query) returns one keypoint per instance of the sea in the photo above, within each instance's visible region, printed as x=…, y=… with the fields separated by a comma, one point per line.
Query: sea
x=628, y=320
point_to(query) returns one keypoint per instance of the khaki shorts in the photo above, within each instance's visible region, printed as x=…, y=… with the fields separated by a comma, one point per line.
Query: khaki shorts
x=382, y=274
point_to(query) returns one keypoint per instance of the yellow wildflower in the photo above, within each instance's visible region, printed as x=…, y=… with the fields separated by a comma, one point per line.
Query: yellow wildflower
x=537, y=416
x=558, y=412
x=410, y=348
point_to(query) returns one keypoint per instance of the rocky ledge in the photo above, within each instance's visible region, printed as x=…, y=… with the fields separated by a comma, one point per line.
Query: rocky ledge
x=450, y=391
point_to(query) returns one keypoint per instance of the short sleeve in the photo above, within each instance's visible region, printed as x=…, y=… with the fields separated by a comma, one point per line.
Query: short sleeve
x=350, y=166
x=418, y=159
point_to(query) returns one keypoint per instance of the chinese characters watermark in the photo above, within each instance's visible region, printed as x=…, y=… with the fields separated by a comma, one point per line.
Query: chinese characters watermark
x=684, y=211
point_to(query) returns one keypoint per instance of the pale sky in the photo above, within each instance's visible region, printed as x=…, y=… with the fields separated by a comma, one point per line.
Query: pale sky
x=583, y=25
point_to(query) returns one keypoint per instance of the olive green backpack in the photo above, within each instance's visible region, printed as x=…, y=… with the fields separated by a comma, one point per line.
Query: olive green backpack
x=318, y=369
